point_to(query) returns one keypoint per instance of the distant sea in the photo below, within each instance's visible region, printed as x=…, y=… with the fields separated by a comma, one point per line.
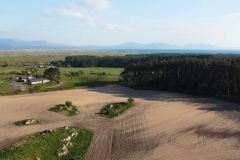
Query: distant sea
x=172, y=51
x=189, y=51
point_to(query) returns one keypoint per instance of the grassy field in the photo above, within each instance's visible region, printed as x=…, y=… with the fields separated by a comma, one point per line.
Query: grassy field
x=25, y=58
x=16, y=60
x=5, y=70
x=51, y=145
x=7, y=87
x=34, y=57
x=91, y=77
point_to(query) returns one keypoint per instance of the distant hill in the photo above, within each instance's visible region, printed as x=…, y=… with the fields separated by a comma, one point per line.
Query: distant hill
x=200, y=46
x=18, y=44
x=132, y=45
x=15, y=44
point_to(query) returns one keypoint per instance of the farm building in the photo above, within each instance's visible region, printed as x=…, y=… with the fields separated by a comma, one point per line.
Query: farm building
x=21, y=79
x=38, y=80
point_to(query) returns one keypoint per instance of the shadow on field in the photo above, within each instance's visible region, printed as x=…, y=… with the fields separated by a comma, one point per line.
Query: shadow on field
x=223, y=107
x=221, y=134
x=206, y=104
x=90, y=84
x=213, y=133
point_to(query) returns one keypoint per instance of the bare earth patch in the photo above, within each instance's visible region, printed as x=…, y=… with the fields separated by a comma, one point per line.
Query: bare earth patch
x=161, y=125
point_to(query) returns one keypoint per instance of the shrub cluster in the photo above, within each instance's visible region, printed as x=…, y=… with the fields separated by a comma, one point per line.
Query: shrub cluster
x=115, y=109
x=67, y=109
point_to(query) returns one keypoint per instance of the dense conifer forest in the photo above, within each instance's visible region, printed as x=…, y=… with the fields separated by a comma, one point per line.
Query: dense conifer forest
x=98, y=61
x=216, y=74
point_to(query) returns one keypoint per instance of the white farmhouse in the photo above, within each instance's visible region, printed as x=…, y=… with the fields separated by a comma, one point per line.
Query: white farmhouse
x=38, y=80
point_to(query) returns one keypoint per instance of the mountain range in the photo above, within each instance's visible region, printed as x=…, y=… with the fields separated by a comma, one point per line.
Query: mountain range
x=18, y=44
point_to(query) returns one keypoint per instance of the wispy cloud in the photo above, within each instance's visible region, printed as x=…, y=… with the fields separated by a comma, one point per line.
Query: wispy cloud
x=117, y=27
x=64, y=12
x=71, y=10
x=80, y=12
x=98, y=4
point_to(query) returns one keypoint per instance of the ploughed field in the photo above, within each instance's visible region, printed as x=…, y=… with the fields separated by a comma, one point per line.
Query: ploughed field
x=160, y=125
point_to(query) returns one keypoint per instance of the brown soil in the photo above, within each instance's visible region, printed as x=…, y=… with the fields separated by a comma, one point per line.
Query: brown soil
x=161, y=125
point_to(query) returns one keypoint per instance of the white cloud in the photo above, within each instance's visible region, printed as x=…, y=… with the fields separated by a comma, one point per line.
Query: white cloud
x=117, y=27
x=65, y=12
x=72, y=10
x=98, y=4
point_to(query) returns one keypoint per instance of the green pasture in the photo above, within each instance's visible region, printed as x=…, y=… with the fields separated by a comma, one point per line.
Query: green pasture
x=25, y=59
x=91, y=77
x=6, y=70
x=95, y=76
x=6, y=86
x=16, y=60
x=35, y=57
x=49, y=145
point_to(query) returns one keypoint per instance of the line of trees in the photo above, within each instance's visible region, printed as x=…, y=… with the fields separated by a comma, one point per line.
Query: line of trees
x=217, y=74
x=203, y=74
x=97, y=61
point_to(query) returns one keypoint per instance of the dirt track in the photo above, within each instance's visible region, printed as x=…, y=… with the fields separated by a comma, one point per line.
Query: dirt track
x=160, y=125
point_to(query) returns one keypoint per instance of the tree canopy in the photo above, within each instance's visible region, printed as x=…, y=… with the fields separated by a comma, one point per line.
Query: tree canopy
x=52, y=74
x=200, y=74
x=33, y=70
x=206, y=74
x=97, y=61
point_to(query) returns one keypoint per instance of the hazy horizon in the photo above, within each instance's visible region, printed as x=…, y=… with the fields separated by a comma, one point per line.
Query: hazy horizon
x=112, y=22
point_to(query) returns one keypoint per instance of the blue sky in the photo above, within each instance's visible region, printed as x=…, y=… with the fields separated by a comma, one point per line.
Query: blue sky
x=112, y=22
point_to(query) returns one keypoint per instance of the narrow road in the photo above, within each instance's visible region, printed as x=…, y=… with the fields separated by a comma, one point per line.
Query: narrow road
x=57, y=85
x=22, y=87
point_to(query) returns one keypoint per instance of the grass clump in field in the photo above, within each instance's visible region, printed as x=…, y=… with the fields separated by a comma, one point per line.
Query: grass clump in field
x=66, y=109
x=27, y=122
x=64, y=144
x=115, y=109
